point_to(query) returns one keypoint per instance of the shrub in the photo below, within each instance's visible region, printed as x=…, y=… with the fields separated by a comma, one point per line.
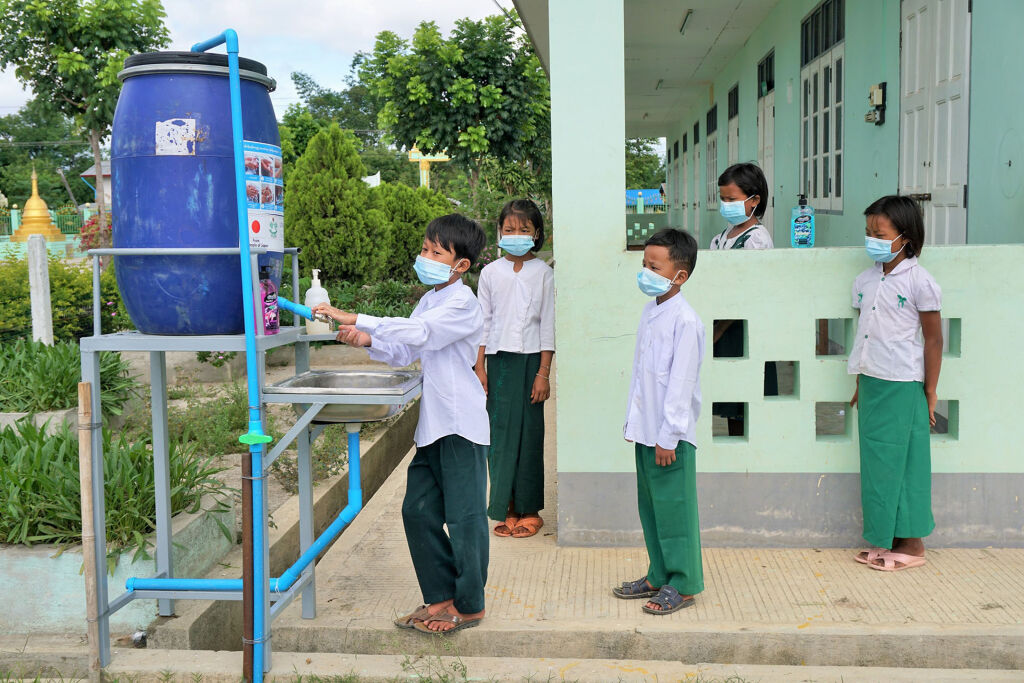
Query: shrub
x=408, y=211
x=93, y=235
x=329, y=212
x=35, y=377
x=40, y=495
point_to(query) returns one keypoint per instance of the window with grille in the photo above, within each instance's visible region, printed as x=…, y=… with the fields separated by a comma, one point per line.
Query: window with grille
x=766, y=75
x=696, y=132
x=821, y=105
x=733, y=142
x=685, y=146
x=675, y=150
x=711, y=159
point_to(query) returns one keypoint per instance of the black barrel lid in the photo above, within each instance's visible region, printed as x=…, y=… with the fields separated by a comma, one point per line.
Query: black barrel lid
x=193, y=58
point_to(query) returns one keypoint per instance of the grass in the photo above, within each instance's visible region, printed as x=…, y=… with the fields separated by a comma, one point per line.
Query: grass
x=35, y=378
x=40, y=493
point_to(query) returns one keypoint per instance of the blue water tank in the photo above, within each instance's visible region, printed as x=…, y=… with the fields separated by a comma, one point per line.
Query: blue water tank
x=173, y=185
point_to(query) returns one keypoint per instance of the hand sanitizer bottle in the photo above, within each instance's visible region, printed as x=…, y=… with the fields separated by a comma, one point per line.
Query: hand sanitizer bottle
x=316, y=294
x=801, y=233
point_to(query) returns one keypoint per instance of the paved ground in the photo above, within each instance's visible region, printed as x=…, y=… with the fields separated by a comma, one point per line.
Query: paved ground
x=964, y=609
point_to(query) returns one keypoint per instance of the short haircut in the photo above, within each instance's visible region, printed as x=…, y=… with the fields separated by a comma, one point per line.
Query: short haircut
x=528, y=212
x=749, y=178
x=458, y=234
x=682, y=247
x=905, y=215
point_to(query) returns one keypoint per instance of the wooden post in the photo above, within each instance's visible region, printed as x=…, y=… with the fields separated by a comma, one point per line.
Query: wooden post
x=39, y=290
x=85, y=428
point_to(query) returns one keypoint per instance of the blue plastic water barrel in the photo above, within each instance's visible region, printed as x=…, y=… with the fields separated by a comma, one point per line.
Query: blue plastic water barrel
x=173, y=185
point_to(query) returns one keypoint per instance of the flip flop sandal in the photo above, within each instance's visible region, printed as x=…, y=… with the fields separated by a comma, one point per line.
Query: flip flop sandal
x=529, y=525
x=421, y=613
x=448, y=618
x=669, y=600
x=508, y=525
x=871, y=555
x=633, y=590
x=889, y=560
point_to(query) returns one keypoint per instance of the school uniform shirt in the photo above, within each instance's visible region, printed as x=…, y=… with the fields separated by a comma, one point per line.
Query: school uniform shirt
x=664, y=394
x=443, y=333
x=889, y=344
x=518, y=308
x=758, y=238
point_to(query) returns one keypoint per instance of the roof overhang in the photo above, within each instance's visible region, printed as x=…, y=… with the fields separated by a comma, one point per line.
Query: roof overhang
x=669, y=68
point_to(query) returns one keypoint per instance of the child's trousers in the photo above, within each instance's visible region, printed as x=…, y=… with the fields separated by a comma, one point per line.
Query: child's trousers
x=447, y=484
x=516, y=455
x=895, y=460
x=667, y=497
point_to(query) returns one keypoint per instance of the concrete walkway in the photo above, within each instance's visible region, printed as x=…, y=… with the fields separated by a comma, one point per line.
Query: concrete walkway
x=798, y=607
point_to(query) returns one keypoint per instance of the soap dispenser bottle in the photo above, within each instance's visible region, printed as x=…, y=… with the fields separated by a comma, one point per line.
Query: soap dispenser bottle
x=316, y=294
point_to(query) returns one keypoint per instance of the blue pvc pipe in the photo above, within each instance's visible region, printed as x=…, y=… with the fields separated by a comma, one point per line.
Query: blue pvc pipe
x=292, y=307
x=292, y=574
x=255, y=435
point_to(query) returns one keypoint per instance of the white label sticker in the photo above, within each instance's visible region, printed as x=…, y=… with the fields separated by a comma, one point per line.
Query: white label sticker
x=176, y=137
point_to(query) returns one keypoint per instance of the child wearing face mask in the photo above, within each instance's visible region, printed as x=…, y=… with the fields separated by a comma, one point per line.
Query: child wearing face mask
x=896, y=357
x=743, y=199
x=661, y=422
x=517, y=297
x=447, y=479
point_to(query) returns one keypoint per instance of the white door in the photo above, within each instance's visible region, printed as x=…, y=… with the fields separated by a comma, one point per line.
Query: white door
x=766, y=151
x=685, y=199
x=934, y=65
x=696, y=193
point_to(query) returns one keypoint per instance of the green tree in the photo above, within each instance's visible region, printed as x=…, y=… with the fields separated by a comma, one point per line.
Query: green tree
x=408, y=211
x=69, y=53
x=352, y=108
x=25, y=138
x=480, y=92
x=330, y=214
x=645, y=169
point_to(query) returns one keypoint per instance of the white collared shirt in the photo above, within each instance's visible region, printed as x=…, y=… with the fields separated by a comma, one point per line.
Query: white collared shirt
x=889, y=344
x=759, y=238
x=443, y=332
x=518, y=308
x=664, y=395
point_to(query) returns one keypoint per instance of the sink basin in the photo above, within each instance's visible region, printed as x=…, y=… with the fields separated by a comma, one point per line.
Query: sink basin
x=350, y=395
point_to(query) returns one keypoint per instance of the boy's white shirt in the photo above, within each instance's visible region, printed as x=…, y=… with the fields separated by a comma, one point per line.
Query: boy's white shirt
x=664, y=394
x=443, y=333
x=889, y=344
x=518, y=308
x=760, y=238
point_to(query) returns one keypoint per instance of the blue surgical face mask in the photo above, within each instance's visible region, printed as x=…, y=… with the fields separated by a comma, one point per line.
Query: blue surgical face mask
x=734, y=212
x=432, y=272
x=881, y=250
x=517, y=245
x=652, y=284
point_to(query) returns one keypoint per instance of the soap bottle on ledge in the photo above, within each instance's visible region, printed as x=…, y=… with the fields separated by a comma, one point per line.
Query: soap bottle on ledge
x=268, y=322
x=316, y=294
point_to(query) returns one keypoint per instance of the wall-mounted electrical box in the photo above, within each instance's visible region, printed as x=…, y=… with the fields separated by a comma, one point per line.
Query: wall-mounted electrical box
x=876, y=99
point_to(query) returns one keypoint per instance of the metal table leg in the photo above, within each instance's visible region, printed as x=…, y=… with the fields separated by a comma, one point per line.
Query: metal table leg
x=161, y=472
x=307, y=533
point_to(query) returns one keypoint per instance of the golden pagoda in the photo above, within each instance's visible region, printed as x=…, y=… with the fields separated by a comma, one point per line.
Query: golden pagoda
x=35, y=218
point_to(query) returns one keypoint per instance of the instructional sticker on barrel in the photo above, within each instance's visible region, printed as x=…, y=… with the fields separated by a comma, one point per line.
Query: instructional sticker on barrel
x=176, y=137
x=264, y=194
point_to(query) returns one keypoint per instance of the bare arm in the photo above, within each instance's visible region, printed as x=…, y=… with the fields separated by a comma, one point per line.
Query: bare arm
x=931, y=327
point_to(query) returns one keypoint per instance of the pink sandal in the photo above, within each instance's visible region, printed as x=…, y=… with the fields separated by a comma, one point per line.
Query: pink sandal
x=872, y=555
x=889, y=560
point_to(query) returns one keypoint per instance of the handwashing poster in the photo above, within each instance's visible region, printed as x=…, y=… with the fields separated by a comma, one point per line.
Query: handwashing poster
x=264, y=194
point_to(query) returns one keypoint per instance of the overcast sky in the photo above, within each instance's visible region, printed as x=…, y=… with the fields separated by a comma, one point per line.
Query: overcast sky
x=318, y=37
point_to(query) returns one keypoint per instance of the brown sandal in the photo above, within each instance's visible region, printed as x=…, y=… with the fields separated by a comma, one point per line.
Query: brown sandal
x=507, y=527
x=410, y=620
x=527, y=526
x=458, y=623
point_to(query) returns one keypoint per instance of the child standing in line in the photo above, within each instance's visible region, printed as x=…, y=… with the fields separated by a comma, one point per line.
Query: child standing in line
x=447, y=479
x=896, y=358
x=517, y=296
x=661, y=420
x=743, y=199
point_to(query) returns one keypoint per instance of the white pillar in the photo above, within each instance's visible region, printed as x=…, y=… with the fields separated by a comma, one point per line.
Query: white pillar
x=39, y=290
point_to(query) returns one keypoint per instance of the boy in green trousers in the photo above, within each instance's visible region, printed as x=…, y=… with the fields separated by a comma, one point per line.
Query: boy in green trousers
x=661, y=419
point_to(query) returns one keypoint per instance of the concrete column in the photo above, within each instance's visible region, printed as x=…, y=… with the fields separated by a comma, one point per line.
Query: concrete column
x=15, y=219
x=39, y=290
x=588, y=131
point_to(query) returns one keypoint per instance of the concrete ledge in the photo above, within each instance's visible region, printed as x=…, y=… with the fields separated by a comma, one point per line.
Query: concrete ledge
x=768, y=510
x=45, y=589
x=56, y=419
x=218, y=625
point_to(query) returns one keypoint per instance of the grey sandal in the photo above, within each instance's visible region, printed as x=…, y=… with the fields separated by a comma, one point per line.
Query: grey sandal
x=669, y=600
x=634, y=590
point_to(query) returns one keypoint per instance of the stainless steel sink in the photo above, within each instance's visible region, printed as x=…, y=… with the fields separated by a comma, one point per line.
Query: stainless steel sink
x=350, y=395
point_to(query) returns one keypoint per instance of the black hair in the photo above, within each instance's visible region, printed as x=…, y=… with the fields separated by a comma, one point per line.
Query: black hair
x=528, y=212
x=682, y=247
x=457, y=234
x=905, y=215
x=749, y=178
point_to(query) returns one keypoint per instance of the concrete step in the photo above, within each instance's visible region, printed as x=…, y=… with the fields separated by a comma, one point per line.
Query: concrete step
x=215, y=667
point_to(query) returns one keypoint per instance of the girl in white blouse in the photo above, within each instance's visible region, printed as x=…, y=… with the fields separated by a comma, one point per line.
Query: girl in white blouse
x=896, y=357
x=517, y=297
